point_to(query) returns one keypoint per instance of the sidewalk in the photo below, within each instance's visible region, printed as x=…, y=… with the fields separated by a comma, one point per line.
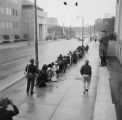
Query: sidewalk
x=64, y=100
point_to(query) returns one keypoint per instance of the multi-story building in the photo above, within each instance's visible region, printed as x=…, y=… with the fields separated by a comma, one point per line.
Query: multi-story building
x=10, y=19
x=118, y=29
x=52, y=27
x=52, y=21
x=28, y=21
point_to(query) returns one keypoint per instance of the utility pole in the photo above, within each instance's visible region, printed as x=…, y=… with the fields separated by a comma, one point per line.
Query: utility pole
x=94, y=30
x=90, y=32
x=70, y=32
x=82, y=30
x=28, y=30
x=36, y=38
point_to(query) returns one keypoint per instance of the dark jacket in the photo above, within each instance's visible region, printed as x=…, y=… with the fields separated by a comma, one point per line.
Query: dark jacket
x=86, y=69
x=8, y=114
x=31, y=68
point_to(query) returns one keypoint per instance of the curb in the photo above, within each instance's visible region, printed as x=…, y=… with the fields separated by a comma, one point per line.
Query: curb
x=104, y=108
x=4, y=84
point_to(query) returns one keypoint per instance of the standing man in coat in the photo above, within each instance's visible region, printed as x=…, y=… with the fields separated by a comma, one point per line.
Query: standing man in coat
x=31, y=71
x=86, y=72
x=103, y=48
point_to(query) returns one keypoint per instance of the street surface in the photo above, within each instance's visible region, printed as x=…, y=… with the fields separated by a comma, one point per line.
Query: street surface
x=62, y=100
x=14, y=59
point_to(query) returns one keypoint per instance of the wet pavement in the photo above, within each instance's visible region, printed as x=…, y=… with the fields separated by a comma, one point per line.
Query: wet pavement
x=60, y=100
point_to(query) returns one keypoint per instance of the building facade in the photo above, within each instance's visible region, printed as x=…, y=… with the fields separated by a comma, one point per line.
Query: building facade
x=10, y=19
x=28, y=21
x=118, y=30
x=52, y=21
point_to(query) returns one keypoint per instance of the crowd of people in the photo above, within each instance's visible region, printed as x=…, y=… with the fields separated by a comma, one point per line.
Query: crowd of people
x=52, y=71
x=62, y=63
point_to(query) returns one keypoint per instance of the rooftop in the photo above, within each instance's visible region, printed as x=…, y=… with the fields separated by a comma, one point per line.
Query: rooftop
x=29, y=4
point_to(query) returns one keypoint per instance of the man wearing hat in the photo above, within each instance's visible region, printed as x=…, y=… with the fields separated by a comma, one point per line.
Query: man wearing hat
x=6, y=114
x=86, y=73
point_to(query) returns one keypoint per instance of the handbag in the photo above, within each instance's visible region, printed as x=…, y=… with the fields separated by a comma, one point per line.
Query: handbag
x=26, y=72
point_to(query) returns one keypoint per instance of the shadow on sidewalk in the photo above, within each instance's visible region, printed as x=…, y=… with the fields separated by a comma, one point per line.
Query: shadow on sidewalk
x=115, y=69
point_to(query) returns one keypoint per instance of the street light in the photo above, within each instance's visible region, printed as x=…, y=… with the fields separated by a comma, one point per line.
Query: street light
x=90, y=32
x=82, y=18
x=36, y=38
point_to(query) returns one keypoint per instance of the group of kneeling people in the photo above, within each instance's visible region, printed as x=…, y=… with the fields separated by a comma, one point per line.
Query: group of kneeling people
x=51, y=70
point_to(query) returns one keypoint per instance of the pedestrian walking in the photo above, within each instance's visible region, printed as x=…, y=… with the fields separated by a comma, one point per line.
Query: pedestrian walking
x=31, y=71
x=86, y=72
x=6, y=114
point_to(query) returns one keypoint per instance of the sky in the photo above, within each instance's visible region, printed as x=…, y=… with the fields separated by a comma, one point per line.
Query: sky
x=90, y=10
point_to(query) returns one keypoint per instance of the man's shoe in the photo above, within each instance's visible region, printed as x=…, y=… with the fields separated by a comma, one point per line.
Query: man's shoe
x=32, y=93
x=87, y=91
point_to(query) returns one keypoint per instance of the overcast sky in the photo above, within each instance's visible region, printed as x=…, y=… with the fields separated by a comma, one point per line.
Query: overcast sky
x=89, y=9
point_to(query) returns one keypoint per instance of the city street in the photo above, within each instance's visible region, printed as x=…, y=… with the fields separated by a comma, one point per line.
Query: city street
x=14, y=59
x=69, y=34
x=62, y=100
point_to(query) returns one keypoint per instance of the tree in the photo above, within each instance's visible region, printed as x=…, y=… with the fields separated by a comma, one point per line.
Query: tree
x=105, y=24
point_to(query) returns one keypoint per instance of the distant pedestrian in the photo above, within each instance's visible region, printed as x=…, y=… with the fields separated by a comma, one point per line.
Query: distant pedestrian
x=6, y=114
x=31, y=71
x=86, y=72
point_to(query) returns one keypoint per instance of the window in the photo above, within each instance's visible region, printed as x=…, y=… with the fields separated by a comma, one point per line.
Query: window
x=1, y=37
x=10, y=25
x=17, y=25
x=3, y=11
x=0, y=10
x=0, y=24
x=6, y=25
x=3, y=24
x=14, y=12
x=14, y=1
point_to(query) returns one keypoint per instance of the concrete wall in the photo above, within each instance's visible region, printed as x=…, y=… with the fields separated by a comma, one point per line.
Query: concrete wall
x=118, y=30
x=111, y=48
x=28, y=23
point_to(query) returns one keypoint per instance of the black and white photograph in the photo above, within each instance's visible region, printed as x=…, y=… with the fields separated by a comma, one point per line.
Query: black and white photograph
x=60, y=59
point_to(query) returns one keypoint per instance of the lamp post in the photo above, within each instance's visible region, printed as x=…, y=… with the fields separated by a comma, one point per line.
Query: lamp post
x=70, y=32
x=82, y=18
x=90, y=32
x=36, y=38
x=82, y=30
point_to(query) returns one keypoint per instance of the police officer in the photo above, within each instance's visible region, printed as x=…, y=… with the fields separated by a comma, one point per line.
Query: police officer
x=31, y=71
x=103, y=47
